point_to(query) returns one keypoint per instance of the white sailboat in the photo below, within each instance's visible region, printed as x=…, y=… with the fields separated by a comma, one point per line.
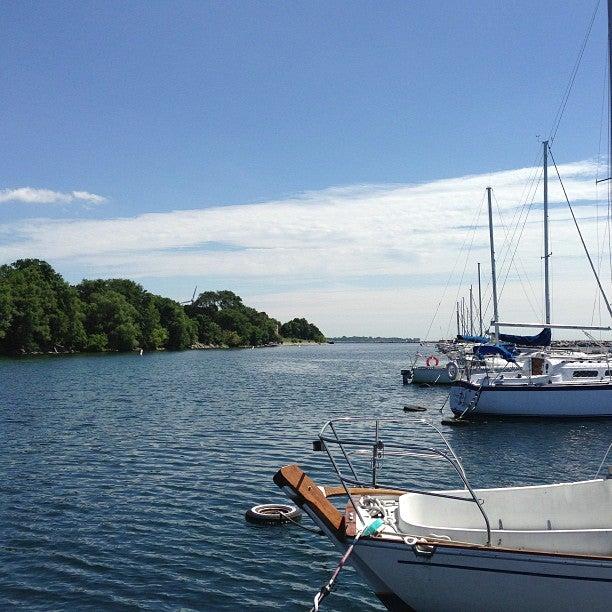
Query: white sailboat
x=539, y=383
x=531, y=548
x=542, y=384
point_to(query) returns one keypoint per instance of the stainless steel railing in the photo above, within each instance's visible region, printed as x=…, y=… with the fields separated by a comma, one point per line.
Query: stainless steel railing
x=349, y=446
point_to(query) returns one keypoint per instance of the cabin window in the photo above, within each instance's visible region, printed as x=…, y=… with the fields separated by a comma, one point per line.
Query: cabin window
x=608, y=373
x=585, y=374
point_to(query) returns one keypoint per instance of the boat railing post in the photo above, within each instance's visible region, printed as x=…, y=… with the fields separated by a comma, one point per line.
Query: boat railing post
x=459, y=468
x=375, y=454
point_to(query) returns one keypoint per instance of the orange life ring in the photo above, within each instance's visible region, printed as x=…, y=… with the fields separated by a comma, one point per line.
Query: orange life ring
x=433, y=358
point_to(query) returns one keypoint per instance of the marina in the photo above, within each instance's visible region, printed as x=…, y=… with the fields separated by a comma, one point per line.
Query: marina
x=429, y=427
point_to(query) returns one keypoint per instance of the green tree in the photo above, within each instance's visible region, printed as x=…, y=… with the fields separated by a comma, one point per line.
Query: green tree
x=182, y=331
x=108, y=313
x=41, y=311
x=301, y=329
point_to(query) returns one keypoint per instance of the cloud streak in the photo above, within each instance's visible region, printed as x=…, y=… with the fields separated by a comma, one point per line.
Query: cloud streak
x=349, y=240
x=30, y=195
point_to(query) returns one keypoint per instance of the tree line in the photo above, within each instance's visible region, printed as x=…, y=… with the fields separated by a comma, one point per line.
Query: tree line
x=40, y=313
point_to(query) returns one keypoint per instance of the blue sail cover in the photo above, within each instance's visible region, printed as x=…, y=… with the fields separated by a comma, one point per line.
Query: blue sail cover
x=494, y=349
x=541, y=339
x=479, y=339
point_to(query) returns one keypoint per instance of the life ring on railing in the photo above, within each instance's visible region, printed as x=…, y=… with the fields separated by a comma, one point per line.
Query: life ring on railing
x=432, y=359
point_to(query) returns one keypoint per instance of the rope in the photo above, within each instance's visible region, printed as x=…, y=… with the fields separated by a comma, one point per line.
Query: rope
x=326, y=589
x=304, y=527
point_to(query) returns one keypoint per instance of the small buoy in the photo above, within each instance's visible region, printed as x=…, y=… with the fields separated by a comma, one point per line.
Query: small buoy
x=272, y=514
x=141, y=351
x=455, y=422
x=414, y=408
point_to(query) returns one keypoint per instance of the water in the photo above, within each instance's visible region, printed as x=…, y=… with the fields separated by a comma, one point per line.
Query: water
x=124, y=479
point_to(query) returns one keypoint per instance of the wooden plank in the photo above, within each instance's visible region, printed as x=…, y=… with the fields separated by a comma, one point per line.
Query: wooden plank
x=308, y=492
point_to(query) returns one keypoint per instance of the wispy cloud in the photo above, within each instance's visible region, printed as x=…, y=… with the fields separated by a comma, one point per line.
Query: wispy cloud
x=340, y=239
x=30, y=195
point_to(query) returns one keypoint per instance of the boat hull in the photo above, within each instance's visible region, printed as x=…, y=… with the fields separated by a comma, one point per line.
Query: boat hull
x=433, y=375
x=439, y=574
x=454, y=578
x=535, y=401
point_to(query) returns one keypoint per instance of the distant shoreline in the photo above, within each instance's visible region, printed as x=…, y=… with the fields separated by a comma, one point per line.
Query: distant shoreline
x=374, y=340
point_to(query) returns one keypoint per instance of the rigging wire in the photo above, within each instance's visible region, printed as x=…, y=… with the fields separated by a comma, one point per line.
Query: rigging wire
x=450, y=276
x=467, y=257
x=530, y=190
x=586, y=250
x=600, y=240
x=535, y=178
x=473, y=227
x=520, y=262
x=527, y=206
x=566, y=94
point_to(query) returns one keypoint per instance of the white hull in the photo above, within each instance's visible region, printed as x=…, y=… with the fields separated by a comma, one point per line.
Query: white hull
x=455, y=578
x=434, y=375
x=528, y=548
x=537, y=401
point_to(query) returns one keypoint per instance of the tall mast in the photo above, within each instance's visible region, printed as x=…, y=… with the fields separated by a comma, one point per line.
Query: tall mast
x=458, y=321
x=493, y=275
x=546, y=253
x=480, y=300
x=471, y=311
x=610, y=88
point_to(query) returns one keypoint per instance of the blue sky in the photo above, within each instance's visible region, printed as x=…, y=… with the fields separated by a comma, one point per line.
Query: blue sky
x=202, y=106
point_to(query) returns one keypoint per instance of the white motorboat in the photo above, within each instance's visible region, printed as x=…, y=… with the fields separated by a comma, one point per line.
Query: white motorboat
x=435, y=371
x=457, y=364
x=531, y=548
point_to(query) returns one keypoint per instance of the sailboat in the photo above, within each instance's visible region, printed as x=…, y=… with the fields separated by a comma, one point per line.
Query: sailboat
x=544, y=547
x=539, y=383
x=543, y=383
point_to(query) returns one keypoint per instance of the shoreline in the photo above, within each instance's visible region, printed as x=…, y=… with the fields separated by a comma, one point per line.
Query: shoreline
x=195, y=347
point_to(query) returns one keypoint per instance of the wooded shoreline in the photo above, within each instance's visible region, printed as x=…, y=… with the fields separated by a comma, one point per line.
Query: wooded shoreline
x=41, y=314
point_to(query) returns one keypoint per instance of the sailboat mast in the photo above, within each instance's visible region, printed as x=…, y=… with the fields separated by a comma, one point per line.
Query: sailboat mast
x=610, y=89
x=471, y=311
x=493, y=274
x=546, y=253
x=480, y=298
x=458, y=321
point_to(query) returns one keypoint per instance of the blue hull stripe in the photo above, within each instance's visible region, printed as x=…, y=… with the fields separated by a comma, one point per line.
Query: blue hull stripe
x=502, y=571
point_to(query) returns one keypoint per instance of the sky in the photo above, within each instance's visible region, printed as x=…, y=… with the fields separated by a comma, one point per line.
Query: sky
x=326, y=160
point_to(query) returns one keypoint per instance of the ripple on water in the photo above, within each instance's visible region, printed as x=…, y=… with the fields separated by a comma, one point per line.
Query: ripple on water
x=124, y=480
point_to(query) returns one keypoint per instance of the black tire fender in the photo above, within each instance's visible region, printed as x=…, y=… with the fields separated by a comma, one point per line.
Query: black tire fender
x=272, y=514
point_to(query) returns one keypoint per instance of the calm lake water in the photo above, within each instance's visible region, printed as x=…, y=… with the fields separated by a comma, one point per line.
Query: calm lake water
x=124, y=479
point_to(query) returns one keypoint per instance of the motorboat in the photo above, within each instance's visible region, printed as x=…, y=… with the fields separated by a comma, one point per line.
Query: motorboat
x=533, y=548
x=460, y=361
